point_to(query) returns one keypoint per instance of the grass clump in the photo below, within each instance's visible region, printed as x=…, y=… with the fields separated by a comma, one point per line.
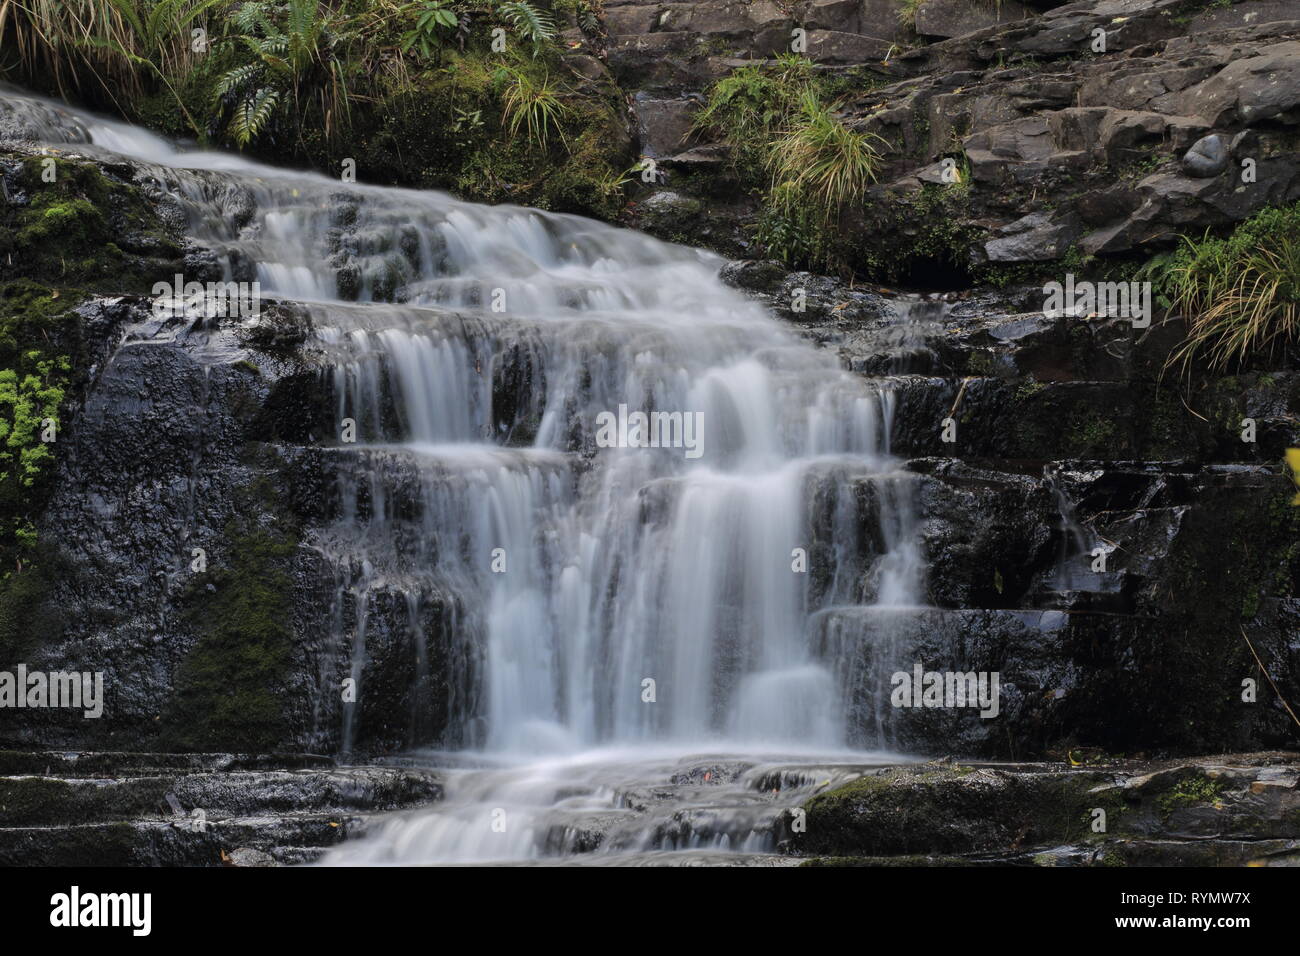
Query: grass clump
x=907, y=13
x=788, y=142
x=1240, y=294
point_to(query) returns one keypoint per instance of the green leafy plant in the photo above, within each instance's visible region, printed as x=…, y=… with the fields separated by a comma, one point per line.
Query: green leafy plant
x=531, y=105
x=434, y=22
x=26, y=400
x=1240, y=295
x=298, y=53
x=528, y=22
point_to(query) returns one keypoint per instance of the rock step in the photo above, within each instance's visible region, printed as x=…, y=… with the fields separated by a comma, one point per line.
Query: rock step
x=1241, y=809
x=40, y=800
x=238, y=841
x=71, y=763
x=192, y=809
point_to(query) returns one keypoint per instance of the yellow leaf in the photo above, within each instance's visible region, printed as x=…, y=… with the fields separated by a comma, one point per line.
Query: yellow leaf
x=1293, y=462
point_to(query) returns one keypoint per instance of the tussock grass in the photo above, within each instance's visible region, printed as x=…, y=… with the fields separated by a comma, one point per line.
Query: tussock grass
x=785, y=134
x=816, y=160
x=532, y=105
x=1240, y=295
x=117, y=42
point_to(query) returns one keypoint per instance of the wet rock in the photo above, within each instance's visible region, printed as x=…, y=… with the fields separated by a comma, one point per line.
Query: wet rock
x=663, y=125
x=1231, y=810
x=954, y=18
x=1207, y=157
x=147, y=809
x=666, y=212
x=247, y=856
x=755, y=275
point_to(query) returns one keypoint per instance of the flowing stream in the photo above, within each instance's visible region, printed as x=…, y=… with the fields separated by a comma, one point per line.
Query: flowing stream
x=657, y=642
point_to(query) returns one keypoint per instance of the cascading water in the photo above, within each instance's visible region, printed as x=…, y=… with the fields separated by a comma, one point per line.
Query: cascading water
x=621, y=610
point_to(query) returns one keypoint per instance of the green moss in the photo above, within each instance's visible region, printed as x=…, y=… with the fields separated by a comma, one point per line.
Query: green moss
x=1190, y=791
x=229, y=687
x=27, y=616
x=952, y=810
x=84, y=229
x=1091, y=436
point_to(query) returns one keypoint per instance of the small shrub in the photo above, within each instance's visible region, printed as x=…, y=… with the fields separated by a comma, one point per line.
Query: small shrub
x=1239, y=294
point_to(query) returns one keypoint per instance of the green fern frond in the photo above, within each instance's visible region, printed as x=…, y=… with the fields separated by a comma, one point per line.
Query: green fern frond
x=252, y=115
x=528, y=22
x=233, y=80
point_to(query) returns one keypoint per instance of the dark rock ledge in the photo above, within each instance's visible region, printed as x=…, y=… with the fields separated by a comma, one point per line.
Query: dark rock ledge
x=146, y=809
x=1231, y=810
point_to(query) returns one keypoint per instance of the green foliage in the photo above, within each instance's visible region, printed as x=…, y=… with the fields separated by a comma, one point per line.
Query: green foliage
x=229, y=686
x=817, y=163
x=282, y=77
x=433, y=24
x=1240, y=294
x=298, y=53
x=907, y=13
x=114, y=45
x=29, y=406
x=531, y=104
x=750, y=106
x=528, y=22
x=787, y=140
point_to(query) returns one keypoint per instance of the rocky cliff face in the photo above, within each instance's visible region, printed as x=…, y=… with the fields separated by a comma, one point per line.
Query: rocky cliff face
x=1102, y=128
x=1103, y=539
x=1095, y=532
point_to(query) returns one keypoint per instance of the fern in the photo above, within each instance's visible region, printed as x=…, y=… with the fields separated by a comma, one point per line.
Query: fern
x=234, y=80
x=253, y=114
x=528, y=22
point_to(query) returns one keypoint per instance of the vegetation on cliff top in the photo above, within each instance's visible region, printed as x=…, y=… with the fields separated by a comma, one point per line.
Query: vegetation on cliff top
x=788, y=141
x=474, y=97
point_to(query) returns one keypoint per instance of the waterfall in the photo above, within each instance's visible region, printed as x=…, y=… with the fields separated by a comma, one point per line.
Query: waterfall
x=610, y=600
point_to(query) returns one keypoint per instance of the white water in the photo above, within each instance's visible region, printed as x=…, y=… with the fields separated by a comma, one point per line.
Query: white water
x=622, y=565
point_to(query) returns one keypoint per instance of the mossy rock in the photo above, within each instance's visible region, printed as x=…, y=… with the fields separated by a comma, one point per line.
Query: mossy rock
x=947, y=812
x=229, y=686
x=81, y=227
